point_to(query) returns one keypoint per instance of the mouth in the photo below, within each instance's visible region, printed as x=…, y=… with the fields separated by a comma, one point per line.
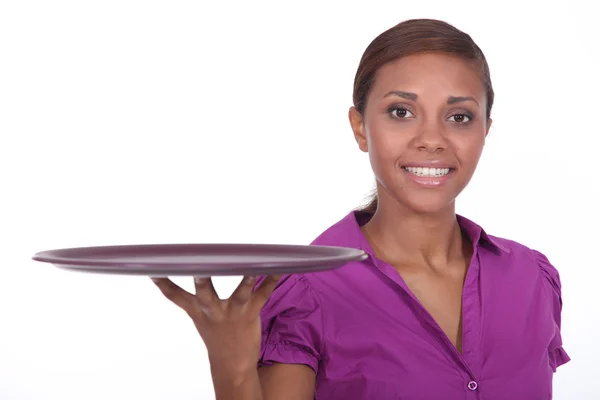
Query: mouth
x=426, y=172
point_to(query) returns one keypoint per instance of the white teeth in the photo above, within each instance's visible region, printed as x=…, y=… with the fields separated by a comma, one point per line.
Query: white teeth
x=433, y=172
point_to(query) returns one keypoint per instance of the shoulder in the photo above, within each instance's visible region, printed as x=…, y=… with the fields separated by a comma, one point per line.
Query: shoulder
x=527, y=263
x=344, y=232
x=314, y=288
x=517, y=257
x=521, y=256
x=292, y=292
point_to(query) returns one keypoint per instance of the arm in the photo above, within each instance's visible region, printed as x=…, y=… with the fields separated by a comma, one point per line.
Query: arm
x=237, y=387
x=282, y=334
x=272, y=382
x=287, y=382
x=292, y=341
x=558, y=356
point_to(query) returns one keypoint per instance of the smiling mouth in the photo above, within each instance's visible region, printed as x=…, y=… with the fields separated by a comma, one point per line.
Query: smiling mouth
x=428, y=172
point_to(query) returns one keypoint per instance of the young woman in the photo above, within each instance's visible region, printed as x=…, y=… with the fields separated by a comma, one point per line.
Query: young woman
x=440, y=309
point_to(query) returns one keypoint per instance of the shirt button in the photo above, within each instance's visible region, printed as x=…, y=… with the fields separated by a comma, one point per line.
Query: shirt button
x=472, y=385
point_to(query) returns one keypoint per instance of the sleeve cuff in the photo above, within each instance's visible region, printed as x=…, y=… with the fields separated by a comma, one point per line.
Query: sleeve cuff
x=558, y=357
x=287, y=354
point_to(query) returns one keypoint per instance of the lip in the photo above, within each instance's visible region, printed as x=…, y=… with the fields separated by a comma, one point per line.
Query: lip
x=429, y=181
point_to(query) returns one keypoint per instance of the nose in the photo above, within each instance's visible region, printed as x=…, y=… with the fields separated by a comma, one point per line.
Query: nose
x=431, y=137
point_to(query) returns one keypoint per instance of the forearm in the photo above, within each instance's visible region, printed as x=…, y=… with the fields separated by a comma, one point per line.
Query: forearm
x=230, y=386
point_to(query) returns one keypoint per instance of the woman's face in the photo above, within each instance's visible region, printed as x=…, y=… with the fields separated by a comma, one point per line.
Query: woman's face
x=424, y=127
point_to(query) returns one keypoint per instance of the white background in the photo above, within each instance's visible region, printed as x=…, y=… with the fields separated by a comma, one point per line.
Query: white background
x=129, y=122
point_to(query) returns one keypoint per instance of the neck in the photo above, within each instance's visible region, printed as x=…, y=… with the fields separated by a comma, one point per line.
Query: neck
x=400, y=236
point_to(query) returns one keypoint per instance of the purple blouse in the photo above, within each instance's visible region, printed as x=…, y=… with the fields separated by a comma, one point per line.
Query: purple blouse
x=367, y=337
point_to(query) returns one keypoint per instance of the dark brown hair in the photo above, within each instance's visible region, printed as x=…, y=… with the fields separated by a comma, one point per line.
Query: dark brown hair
x=412, y=37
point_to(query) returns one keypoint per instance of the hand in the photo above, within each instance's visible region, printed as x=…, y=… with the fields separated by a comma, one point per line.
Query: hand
x=230, y=329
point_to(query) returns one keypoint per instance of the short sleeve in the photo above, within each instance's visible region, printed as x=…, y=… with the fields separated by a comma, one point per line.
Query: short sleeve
x=292, y=325
x=558, y=356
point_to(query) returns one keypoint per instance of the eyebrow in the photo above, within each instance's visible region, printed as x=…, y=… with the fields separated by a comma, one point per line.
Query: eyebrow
x=399, y=93
x=460, y=99
x=413, y=97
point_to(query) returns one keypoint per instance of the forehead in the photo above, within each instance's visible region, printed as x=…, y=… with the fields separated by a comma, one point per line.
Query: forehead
x=430, y=74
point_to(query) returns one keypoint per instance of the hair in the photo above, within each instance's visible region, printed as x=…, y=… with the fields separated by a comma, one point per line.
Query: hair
x=411, y=37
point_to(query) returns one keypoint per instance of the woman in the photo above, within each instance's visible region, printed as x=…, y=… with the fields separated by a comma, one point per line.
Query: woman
x=440, y=309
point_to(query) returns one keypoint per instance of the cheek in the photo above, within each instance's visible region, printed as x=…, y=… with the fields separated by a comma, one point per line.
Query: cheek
x=387, y=140
x=384, y=150
x=469, y=151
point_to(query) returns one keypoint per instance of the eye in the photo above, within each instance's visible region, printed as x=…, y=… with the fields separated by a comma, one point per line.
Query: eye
x=460, y=118
x=400, y=112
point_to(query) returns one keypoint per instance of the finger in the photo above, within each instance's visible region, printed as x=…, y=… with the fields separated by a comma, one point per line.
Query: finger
x=264, y=291
x=243, y=292
x=174, y=293
x=205, y=293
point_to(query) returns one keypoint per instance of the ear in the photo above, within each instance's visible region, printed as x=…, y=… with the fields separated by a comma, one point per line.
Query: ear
x=358, y=127
x=489, y=125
